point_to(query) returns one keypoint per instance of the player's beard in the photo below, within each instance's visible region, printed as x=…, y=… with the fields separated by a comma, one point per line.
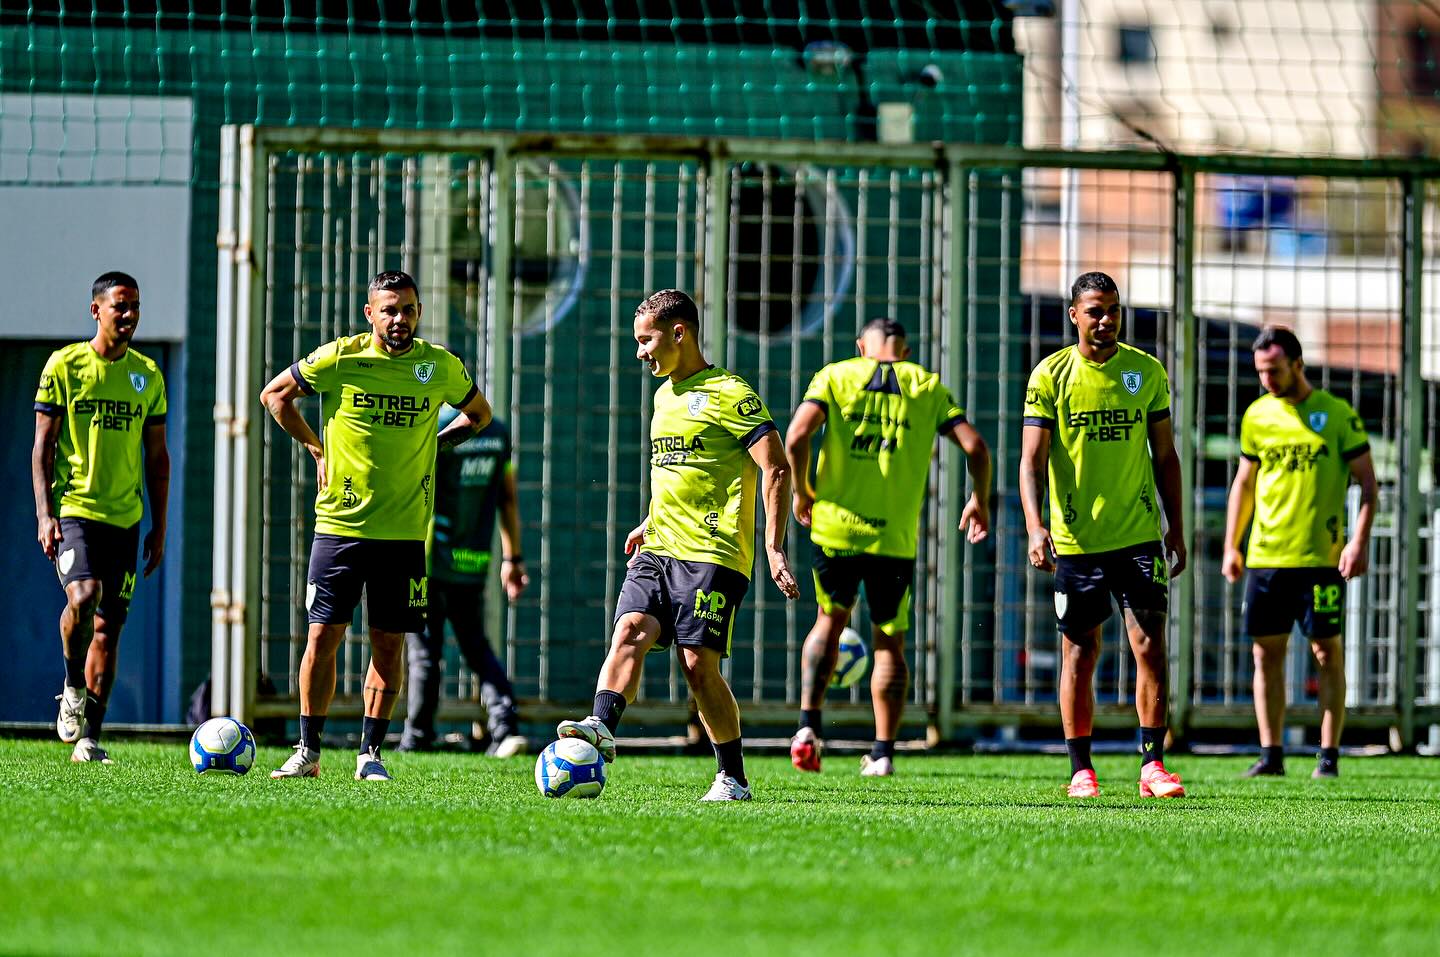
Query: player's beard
x=398, y=342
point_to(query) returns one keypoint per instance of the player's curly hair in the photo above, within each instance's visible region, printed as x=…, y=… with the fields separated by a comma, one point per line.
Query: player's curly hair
x=671, y=305
x=1278, y=336
x=1092, y=282
x=393, y=280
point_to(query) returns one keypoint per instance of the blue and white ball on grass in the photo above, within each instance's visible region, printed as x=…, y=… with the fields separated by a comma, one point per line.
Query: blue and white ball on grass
x=853, y=660
x=570, y=768
x=222, y=746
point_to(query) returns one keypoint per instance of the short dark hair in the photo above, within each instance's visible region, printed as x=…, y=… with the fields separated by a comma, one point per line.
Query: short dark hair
x=109, y=280
x=392, y=280
x=1277, y=336
x=1092, y=282
x=891, y=328
x=671, y=305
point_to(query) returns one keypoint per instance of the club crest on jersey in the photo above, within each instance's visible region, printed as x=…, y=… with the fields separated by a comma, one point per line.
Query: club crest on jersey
x=1318, y=420
x=138, y=381
x=1131, y=381
x=696, y=402
x=424, y=370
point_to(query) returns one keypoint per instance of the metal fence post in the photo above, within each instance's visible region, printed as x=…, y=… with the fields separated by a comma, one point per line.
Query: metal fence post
x=227, y=323
x=1412, y=509
x=1189, y=430
x=717, y=278
x=502, y=302
x=957, y=256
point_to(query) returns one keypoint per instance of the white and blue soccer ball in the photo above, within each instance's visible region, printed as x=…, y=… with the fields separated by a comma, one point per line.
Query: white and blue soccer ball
x=222, y=746
x=853, y=660
x=570, y=768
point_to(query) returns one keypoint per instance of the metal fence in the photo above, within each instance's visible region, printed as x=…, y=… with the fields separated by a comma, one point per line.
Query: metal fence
x=532, y=252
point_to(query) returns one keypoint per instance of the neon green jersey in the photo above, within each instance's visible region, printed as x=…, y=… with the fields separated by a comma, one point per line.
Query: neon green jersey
x=1102, y=482
x=881, y=419
x=1303, y=452
x=378, y=415
x=702, y=479
x=100, y=454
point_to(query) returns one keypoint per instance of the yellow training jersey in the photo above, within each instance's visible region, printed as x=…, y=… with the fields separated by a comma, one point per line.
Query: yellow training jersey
x=100, y=455
x=702, y=479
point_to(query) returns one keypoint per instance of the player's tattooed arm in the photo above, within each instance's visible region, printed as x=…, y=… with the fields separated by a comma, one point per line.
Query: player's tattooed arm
x=769, y=454
x=1034, y=475
x=279, y=397
x=1355, y=557
x=807, y=421
x=1167, y=477
x=42, y=472
x=1239, y=509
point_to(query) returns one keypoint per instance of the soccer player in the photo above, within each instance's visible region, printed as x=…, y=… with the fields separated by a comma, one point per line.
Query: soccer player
x=693, y=554
x=99, y=437
x=375, y=469
x=473, y=482
x=881, y=414
x=1097, y=427
x=1299, y=448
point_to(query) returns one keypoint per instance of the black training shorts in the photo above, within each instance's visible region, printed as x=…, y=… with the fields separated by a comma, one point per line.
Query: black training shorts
x=887, y=581
x=1278, y=598
x=98, y=551
x=391, y=573
x=1085, y=585
x=695, y=602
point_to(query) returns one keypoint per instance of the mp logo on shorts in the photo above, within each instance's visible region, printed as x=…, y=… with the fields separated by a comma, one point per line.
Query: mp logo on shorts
x=1131, y=381
x=424, y=370
x=696, y=402
x=709, y=606
x=1318, y=420
x=127, y=586
x=419, y=593
x=1327, y=600
x=138, y=381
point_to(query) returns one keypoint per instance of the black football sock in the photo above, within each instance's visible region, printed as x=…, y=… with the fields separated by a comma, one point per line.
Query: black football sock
x=810, y=718
x=94, y=717
x=731, y=761
x=882, y=749
x=75, y=672
x=312, y=728
x=609, y=706
x=372, y=733
x=1152, y=745
x=1272, y=755
x=1079, y=749
x=1329, y=757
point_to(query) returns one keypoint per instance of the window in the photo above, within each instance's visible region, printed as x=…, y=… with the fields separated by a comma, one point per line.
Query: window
x=1134, y=45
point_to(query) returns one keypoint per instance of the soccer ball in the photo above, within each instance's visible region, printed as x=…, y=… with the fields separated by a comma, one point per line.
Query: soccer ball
x=222, y=746
x=853, y=660
x=570, y=768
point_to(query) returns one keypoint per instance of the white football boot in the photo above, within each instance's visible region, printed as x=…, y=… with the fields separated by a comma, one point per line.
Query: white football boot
x=88, y=749
x=876, y=767
x=304, y=763
x=72, y=713
x=369, y=767
x=592, y=729
x=727, y=788
x=509, y=746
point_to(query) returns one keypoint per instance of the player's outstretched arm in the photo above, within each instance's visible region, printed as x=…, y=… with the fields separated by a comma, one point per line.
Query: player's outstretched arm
x=1034, y=475
x=279, y=398
x=42, y=471
x=474, y=416
x=807, y=421
x=769, y=454
x=1239, y=509
x=975, y=519
x=1355, y=558
x=157, y=485
x=1167, y=477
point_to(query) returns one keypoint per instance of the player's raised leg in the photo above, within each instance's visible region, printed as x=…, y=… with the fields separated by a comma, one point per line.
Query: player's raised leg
x=1146, y=631
x=1268, y=688
x=634, y=635
x=721, y=715
x=1080, y=652
x=817, y=665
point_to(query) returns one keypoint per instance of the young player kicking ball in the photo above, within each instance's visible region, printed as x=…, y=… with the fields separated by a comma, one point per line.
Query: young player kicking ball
x=693, y=554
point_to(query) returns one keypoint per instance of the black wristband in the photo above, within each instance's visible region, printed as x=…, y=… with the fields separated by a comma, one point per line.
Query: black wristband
x=514, y=559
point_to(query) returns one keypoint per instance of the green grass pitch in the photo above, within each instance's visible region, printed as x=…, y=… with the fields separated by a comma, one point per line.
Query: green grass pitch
x=955, y=855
